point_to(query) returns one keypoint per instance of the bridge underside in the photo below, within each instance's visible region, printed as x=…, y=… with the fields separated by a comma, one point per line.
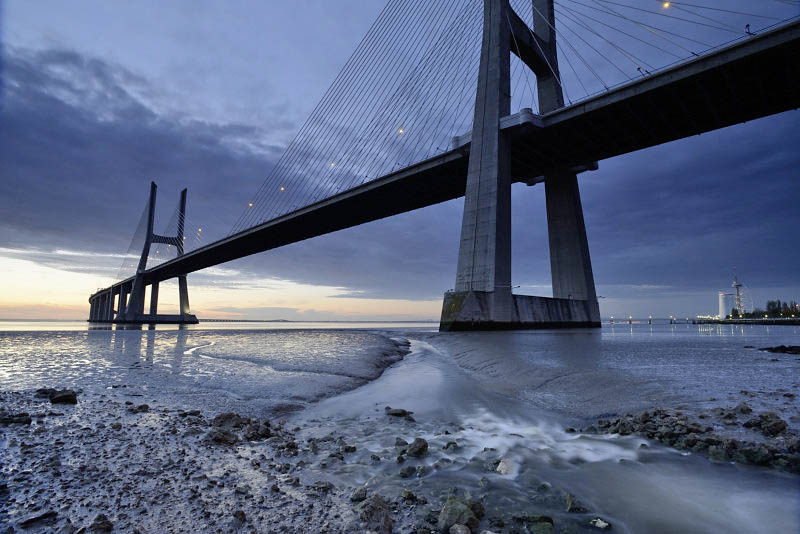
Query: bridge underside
x=751, y=79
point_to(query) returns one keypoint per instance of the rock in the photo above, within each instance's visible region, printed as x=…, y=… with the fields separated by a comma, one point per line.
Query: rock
x=142, y=408
x=536, y=524
x=757, y=454
x=742, y=408
x=322, y=485
x=15, y=419
x=46, y=516
x=230, y=420
x=459, y=529
x=397, y=412
x=408, y=496
x=68, y=528
x=44, y=393
x=101, y=523
x=717, y=453
x=783, y=349
x=752, y=423
x=225, y=437
x=771, y=424
x=376, y=514
x=400, y=442
x=418, y=448
x=359, y=495
x=257, y=430
x=116, y=426
x=451, y=445
x=348, y=448
x=505, y=466
x=64, y=396
x=407, y=471
x=456, y=512
x=599, y=524
x=574, y=505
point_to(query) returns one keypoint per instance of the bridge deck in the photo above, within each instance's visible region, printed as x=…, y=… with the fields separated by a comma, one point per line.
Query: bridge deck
x=747, y=80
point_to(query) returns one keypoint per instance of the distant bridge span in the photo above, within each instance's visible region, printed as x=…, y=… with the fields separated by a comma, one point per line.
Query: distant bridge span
x=747, y=80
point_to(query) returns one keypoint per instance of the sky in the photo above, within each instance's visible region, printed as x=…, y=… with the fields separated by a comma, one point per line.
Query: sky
x=99, y=98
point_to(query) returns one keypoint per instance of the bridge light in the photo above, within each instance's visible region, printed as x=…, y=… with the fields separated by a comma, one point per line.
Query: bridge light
x=401, y=131
x=284, y=189
x=249, y=204
x=199, y=229
x=666, y=5
x=332, y=164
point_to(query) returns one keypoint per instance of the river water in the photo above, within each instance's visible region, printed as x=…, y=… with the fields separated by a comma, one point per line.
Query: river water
x=514, y=393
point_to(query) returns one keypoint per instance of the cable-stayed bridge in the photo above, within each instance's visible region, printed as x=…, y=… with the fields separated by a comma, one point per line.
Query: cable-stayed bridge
x=423, y=112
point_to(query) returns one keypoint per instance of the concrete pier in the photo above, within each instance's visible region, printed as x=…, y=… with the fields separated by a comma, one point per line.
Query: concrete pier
x=482, y=299
x=484, y=256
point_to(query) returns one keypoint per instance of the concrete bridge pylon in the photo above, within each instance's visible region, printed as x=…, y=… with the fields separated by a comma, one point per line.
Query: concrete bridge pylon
x=482, y=298
x=130, y=295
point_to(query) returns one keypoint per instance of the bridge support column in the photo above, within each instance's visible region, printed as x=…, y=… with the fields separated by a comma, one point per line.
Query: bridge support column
x=123, y=303
x=570, y=263
x=483, y=276
x=183, y=293
x=154, y=298
x=482, y=298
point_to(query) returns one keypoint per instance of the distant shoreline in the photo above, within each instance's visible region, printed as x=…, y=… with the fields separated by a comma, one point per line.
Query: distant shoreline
x=239, y=321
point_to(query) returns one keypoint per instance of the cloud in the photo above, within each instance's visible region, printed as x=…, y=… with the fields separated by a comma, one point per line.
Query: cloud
x=81, y=138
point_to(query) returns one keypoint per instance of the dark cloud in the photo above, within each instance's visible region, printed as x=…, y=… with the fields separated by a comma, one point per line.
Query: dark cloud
x=79, y=144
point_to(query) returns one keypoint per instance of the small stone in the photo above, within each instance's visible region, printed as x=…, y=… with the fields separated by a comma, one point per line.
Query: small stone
x=101, y=523
x=505, y=466
x=536, y=524
x=230, y=420
x=407, y=471
x=142, y=408
x=599, y=524
x=224, y=437
x=322, y=485
x=64, y=396
x=376, y=514
x=574, y=505
x=400, y=442
x=418, y=448
x=456, y=512
x=46, y=516
x=397, y=412
x=771, y=424
x=459, y=529
x=408, y=496
x=359, y=495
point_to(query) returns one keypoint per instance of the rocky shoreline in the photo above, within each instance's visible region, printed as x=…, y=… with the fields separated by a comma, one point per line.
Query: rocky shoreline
x=124, y=459
x=709, y=432
x=110, y=463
